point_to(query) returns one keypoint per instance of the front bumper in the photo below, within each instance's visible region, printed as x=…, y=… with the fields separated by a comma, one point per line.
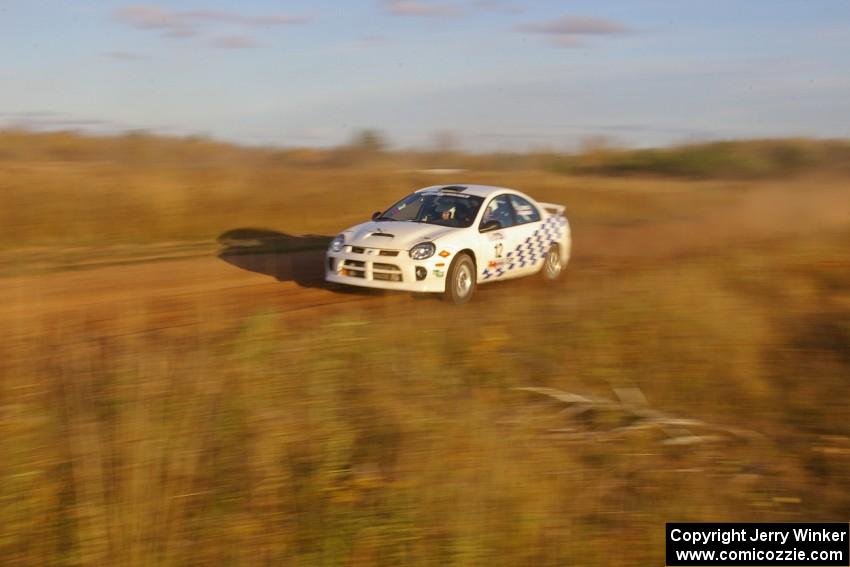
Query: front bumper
x=367, y=268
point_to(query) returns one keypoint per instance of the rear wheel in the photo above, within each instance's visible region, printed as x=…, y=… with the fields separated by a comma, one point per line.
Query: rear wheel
x=460, y=281
x=552, y=265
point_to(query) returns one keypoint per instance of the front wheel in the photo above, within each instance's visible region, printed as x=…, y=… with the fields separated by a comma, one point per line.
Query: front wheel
x=552, y=265
x=460, y=281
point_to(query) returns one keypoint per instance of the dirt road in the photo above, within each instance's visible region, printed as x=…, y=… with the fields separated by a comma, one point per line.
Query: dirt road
x=249, y=269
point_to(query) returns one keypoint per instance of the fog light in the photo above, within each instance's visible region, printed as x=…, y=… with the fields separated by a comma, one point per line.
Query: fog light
x=421, y=273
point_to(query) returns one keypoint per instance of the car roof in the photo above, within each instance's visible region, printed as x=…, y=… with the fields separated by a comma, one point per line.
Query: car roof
x=466, y=189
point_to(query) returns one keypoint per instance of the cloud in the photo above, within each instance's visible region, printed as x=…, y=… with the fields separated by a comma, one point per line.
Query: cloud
x=501, y=6
x=418, y=8
x=155, y=18
x=568, y=30
x=125, y=56
x=51, y=121
x=234, y=42
x=200, y=16
x=190, y=23
x=637, y=128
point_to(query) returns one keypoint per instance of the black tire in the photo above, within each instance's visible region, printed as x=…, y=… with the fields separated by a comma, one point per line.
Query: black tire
x=553, y=266
x=461, y=280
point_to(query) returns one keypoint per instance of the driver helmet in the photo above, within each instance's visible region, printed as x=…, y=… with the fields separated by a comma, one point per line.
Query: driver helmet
x=443, y=207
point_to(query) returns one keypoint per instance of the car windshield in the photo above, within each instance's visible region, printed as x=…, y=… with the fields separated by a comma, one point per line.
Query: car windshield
x=445, y=209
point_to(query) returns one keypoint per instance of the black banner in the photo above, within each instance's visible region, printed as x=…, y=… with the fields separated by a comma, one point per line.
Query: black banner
x=808, y=544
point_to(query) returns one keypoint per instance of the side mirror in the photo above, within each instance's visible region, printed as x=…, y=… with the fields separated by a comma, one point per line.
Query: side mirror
x=376, y=215
x=490, y=226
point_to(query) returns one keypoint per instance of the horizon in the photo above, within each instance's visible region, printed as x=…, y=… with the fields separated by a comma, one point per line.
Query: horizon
x=582, y=147
x=652, y=74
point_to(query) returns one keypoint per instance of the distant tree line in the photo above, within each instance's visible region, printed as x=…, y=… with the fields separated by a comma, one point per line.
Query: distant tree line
x=750, y=159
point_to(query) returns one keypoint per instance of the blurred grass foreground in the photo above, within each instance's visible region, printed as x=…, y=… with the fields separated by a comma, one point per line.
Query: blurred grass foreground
x=692, y=366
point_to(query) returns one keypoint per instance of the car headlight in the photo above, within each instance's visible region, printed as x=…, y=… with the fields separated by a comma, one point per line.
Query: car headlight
x=423, y=251
x=337, y=243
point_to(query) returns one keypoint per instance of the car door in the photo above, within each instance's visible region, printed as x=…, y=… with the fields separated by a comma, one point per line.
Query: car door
x=530, y=241
x=495, y=246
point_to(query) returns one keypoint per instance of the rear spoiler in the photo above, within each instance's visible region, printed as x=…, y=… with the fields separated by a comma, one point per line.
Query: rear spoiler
x=553, y=208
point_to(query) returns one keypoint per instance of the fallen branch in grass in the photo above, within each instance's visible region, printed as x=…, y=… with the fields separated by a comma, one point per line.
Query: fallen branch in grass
x=632, y=410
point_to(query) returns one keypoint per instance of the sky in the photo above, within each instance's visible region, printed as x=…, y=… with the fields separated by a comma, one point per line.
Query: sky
x=495, y=74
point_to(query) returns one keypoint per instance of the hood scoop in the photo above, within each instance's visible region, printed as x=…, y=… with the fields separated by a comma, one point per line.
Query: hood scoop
x=388, y=235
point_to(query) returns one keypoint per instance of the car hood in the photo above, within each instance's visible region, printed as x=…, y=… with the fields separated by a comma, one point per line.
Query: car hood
x=398, y=235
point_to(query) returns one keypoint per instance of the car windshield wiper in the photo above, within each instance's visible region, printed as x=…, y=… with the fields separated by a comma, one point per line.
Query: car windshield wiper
x=382, y=217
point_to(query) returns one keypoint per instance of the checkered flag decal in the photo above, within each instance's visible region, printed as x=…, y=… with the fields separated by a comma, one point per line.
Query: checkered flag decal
x=533, y=250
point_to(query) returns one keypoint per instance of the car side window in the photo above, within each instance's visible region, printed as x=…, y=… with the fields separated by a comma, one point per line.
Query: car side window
x=525, y=211
x=499, y=209
x=407, y=209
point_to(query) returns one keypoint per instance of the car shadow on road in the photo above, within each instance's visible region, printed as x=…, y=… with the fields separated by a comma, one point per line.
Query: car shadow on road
x=285, y=257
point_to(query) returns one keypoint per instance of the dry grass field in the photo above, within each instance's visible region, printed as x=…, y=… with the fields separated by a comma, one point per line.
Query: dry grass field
x=177, y=389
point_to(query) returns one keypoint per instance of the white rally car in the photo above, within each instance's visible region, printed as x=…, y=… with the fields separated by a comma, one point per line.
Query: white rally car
x=449, y=238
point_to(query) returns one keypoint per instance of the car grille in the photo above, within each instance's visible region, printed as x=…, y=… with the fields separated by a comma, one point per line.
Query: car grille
x=386, y=272
x=353, y=269
x=387, y=267
x=379, y=270
x=373, y=251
